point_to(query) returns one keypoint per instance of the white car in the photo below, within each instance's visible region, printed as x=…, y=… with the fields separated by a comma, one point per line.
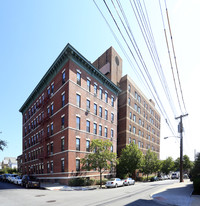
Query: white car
x=12, y=177
x=114, y=182
x=18, y=180
x=128, y=181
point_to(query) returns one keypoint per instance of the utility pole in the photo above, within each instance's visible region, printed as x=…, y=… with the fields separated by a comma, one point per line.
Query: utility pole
x=180, y=130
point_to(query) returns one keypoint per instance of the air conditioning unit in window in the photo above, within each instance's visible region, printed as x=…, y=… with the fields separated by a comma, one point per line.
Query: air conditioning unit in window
x=88, y=110
x=112, y=121
x=95, y=94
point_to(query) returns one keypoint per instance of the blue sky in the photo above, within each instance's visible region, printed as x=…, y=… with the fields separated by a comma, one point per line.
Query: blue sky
x=33, y=33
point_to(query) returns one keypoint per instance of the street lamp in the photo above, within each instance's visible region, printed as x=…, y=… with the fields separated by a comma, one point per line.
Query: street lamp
x=181, y=156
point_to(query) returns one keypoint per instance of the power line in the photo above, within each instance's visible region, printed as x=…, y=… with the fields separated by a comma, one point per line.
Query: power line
x=175, y=56
x=142, y=61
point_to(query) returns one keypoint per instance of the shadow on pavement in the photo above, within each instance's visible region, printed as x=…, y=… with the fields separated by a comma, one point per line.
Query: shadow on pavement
x=144, y=203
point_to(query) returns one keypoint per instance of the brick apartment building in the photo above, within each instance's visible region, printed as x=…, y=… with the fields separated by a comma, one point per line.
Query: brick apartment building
x=138, y=119
x=77, y=101
x=71, y=105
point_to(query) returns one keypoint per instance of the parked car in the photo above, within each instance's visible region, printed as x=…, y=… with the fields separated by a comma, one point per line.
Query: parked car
x=155, y=178
x=128, y=181
x=114, y=182
x=17, y=180
x=11, y=177
x=160, y=177
x=30, y=182
x=175, y=175
x=5, y=177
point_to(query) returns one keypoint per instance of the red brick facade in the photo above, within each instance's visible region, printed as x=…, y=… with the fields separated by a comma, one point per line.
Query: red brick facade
x=53, y=141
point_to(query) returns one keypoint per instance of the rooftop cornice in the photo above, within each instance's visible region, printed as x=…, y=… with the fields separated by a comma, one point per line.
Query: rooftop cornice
x=68, y=52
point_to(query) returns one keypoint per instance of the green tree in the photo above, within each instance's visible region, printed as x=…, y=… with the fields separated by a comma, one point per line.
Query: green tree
x=167, y=165
x=130, y=160
x=150, y=163
x=187, y=164
x=2, y=144
x=101, y=158
x=177, y=164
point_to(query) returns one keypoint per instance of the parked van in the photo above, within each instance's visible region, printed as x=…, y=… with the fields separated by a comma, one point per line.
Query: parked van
x=175, y=175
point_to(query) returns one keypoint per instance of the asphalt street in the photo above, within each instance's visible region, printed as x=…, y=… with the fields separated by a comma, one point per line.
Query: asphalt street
x=138, y=194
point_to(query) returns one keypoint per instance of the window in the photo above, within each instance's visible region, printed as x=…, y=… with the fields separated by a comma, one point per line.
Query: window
x=139, y=144
x=129, y=140
x=112, y=101
x=95, y=128
x=63, y=77
x=136, y=95
x=51, y=148
x=106, y=114
x=134, y=118
x=100, y=93
x=111, y=148
x=62, y=144
x=52, y=106
x=78, y=75
x=129, y=88
x=129, y=128
x=130, y=115
x=95, y=109
x=140, y=122
x=88, y=85
x=134, y=141
x=52, y=166
x=106, y=97
x=139, y=133
x=100, y=111
x=135, y=107
x=77, y=164
x=106, y=132
x=62, y=121
x=88, y=105
x=129, y=101
x=100, y=130
x=139, y=99
x=112, y=133
x=48, y=149
x=134, y=130
x=48, y=91
x=52, y=129
x=78, y=144
x=63, y=100
x=87, y=126
x=62, y=165
x=78, y=123
x=52, y=88
x=48, y=167
x=139, y=110
x=87, y=145
x=78, y=100
x=95, y=89
x=48, y=111
x=48, y=130
x=112, y=117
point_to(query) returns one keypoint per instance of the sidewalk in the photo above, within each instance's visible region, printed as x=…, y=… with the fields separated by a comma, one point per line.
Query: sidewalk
x=178, y=194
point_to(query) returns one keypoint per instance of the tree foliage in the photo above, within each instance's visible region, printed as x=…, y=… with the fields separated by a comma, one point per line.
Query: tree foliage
x=150, y=163
x=130, y=160
x=2, y=144
x=196, y=168
x=167, y=165
x=101, y=158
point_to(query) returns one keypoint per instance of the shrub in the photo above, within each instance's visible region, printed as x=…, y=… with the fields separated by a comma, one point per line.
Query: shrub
x=80, y=182
x=103, y=182
x=196, y=185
